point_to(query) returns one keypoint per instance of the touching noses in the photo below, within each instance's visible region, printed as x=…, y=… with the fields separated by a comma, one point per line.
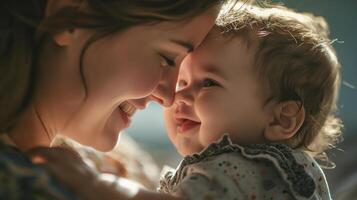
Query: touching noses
x=184, y=96
x=164, y=93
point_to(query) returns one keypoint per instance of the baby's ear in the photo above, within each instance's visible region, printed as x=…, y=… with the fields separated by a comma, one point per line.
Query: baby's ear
x=287, y=119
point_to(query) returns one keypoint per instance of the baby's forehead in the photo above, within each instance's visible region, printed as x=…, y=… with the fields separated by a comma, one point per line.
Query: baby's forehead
x=214, y=32
x=217, y=34
x=226, y=48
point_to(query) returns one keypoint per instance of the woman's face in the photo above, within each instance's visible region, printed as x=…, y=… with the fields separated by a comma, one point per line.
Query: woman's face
x=120, y=74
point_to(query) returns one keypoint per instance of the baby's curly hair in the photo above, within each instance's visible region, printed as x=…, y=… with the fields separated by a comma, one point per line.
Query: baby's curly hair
x=295, y=60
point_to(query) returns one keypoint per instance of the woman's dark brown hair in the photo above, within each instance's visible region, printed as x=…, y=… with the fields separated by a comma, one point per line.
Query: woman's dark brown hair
x=23, y=27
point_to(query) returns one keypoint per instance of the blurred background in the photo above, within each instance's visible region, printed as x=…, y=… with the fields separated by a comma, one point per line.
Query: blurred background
x=148, y=127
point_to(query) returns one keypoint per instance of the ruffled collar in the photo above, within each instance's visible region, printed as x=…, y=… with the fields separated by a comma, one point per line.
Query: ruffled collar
x=300, y=183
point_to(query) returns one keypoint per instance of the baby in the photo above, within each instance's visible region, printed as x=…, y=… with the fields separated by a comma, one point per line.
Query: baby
x=254, y=105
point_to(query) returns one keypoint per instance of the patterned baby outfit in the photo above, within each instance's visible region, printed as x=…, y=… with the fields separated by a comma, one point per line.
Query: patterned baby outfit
x=255, y=172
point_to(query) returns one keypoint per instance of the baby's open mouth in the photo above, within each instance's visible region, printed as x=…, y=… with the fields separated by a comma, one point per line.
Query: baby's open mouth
x=184, y=125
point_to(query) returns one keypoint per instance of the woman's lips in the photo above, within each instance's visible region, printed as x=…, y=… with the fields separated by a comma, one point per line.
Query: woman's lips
x=185, y=125
x=126, y=111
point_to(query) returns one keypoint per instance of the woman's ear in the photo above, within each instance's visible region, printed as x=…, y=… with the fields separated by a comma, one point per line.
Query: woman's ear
x=53, y=6
x=64, y=38
x=287, y=119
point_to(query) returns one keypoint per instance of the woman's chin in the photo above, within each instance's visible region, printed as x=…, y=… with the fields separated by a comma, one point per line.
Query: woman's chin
x=102, y=140
x=106, y=142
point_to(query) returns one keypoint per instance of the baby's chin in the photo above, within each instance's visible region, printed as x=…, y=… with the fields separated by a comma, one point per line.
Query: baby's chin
x=188, y=151
x=185, y=145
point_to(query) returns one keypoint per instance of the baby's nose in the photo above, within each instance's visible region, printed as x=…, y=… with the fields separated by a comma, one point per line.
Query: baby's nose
x=184, y=96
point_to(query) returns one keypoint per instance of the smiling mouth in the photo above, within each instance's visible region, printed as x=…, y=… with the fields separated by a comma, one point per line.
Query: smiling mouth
x=184, y=125
x=127, y=108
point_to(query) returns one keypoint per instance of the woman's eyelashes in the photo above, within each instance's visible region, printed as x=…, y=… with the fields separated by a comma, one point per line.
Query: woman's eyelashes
x=168, y=61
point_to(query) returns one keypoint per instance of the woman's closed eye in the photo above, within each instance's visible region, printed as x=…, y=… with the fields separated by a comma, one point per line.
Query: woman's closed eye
x=206, y=83
x=167, y=61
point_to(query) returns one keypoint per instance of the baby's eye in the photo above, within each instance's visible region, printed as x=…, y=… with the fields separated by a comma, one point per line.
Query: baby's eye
x=209, y=83
x=168, y=61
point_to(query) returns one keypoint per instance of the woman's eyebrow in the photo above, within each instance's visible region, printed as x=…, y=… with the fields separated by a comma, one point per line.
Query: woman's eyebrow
x=187, y=45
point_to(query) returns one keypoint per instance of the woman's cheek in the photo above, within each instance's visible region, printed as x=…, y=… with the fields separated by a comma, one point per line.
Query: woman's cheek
x=143, y=82
x=170, y=124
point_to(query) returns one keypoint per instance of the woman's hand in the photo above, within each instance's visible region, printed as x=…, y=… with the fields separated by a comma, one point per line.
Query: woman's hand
x=69, y=168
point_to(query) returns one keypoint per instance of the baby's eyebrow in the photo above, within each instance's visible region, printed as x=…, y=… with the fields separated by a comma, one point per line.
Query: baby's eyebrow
x=215, y=70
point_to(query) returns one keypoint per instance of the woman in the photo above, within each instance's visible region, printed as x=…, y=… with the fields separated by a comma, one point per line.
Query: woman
x=81, y=68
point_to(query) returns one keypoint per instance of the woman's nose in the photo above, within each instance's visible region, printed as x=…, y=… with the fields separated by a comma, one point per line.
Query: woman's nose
x=164, y=93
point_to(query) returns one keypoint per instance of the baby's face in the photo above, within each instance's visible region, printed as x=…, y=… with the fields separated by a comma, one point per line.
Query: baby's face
x=218, y=92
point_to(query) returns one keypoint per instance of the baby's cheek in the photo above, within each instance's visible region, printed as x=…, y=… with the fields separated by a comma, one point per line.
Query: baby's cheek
x=210, y=134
